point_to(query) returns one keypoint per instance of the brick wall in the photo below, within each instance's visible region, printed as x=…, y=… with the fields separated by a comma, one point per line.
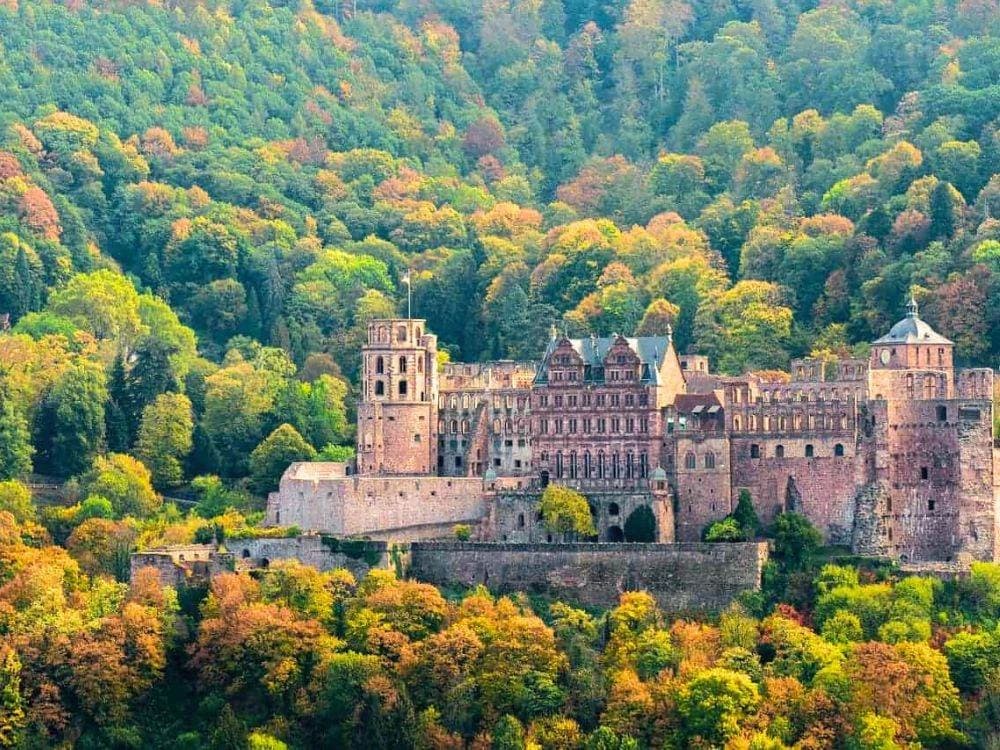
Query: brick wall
x=680, y=576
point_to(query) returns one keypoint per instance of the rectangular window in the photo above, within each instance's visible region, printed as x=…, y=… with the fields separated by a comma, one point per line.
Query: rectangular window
x=924, y=473
x=629, y=399
x=630, y=425
x=572, y=426
x=558, y=425
x=601, y=425
x=543, y=426
x=558, y=401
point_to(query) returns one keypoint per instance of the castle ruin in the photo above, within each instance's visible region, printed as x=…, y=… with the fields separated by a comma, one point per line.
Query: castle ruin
x=893, y=455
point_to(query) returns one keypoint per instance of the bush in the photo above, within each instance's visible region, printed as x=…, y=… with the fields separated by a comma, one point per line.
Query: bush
x=726, y=530
x=462, y=531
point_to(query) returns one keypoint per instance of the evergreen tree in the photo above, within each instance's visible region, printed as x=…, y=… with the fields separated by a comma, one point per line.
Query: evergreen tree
x=746, y=516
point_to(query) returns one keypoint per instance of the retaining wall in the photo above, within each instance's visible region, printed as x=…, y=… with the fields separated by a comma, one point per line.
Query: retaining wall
x=680, y=576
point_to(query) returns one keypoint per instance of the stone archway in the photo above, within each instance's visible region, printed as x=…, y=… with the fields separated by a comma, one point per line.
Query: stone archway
x=615, y=534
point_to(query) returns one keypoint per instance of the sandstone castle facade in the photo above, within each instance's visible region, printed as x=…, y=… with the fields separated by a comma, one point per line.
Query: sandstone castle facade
x=893, y=455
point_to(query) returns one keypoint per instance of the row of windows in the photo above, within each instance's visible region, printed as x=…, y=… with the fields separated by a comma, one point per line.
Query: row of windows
x=780, y=423
x=810, y=396
x=380, y=363
x=600, y=399
x=601, y=466
x=466, y=401
x=499, y=426
x=587, y=425
x=382, y=334
x=779, y=451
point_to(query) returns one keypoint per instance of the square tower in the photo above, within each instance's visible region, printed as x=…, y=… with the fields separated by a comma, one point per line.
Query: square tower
x=397, y=413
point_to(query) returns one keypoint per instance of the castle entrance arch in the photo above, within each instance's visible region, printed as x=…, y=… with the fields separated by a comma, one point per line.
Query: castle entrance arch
x=615, y=534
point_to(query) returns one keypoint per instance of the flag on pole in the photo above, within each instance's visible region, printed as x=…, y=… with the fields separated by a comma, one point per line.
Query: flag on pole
x=409, y=294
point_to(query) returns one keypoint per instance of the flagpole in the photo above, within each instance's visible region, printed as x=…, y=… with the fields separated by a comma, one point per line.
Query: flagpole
x=409, y=295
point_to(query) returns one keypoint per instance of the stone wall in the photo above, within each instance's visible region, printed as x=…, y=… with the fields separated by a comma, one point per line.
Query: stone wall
x=185, y=565
x=394, y=508
x=680, y=576
x=782, y=477
x=514, y=517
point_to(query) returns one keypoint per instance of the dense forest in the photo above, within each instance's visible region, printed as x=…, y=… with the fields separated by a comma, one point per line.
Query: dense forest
x=826, y=657
x=203, y=203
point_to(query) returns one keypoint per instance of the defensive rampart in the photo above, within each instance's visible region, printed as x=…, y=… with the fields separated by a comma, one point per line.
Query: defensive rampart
x=680, y=576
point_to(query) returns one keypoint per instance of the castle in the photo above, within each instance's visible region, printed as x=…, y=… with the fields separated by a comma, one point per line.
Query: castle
x=893, y=455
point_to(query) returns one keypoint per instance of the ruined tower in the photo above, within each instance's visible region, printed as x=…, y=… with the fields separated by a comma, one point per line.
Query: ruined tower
x=397, y=413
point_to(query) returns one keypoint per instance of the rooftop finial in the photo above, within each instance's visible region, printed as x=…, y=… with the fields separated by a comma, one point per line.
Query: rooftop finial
x=670, y=331
x=911, y=307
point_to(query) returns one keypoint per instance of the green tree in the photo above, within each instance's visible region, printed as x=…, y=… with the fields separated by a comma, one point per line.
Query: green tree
x=508, y=734
x=165, y=438
x=640, y=526
x=124, y=481
x=795, y=540
x=16, y=449
x=715, y=703
x=269, y=460
x=69, y=425
x=565, y=511
x=13, y=720
x=727, y=529
x=15, y=499
x=745, y=515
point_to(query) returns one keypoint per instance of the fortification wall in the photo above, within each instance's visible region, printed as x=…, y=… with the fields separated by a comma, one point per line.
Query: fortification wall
x=680, y=576
x=704, y=490
x=782, y=476
x=383, y=506
x=515, y=517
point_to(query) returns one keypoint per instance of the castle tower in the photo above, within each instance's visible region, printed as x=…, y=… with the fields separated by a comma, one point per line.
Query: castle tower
x=912, y=361
x=397, y=414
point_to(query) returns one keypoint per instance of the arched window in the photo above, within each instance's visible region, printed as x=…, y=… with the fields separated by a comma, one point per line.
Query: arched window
x=779, y=451
x=600, y=464
x=737, y=422
x=838, y=449
x=454, y=426
x=559, y=465
x=586, y=464
x=402, y=364
x=383, y=335
x=465, y=426
x=690, y=460
x=572, y=465
x=453, y=402
x=520, y=520
x=420, y=364
x=809, y=451
x=379, y=366
x=496, y=427
x=379, y=388
x=465, y=401
x=710, y=460
x=754, y=450
x=613, y=509
x=401, y=333
x=507, y=427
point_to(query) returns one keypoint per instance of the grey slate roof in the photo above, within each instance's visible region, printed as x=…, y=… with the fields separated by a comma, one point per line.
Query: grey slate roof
x=652, y=351
x=912, y=330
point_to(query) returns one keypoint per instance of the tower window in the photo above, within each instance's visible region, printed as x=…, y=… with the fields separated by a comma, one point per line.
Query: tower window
x=930, y=505
x=942, y=414
x=754, y=450
x=709, y=460
x=838, y=450
x=690, y=461
x=401, y=333
x=402, y=364
x=924, y=473
x=809, y=451
x=779, y=451
x=402, y=387
x=379, y=388
x=379, y=366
